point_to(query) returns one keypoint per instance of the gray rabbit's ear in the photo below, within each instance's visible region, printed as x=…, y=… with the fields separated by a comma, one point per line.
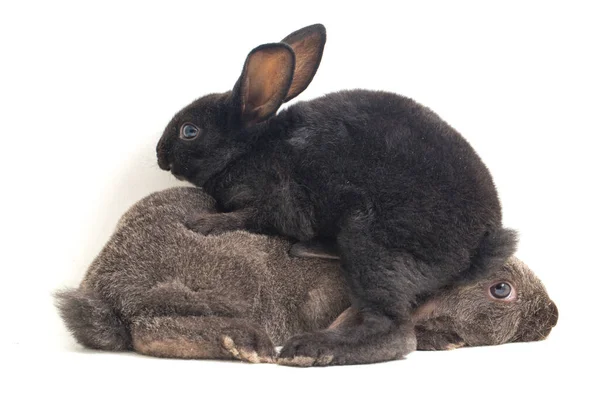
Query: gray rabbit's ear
x=265, y=82
x=308, y=44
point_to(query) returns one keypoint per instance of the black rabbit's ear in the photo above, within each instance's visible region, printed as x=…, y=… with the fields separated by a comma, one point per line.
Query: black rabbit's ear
x=265, y=81
x=308, y=44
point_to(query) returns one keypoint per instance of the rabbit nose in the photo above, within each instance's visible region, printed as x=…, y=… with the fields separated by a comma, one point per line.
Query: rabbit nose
x=163, y=159
x=553, y=314
x=162, y=155
x=164, y=164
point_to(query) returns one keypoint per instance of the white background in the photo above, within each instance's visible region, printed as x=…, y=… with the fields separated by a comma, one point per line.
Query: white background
x=86, y=89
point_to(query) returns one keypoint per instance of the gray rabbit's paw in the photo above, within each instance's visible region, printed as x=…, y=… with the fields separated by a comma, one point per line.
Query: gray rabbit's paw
x=436, y=340
x=250, y=345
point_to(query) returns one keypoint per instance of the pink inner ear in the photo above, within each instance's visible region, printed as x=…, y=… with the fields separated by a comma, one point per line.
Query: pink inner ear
x=348, y=317
x=307, y=57
x=425, y=310
x=266, y=81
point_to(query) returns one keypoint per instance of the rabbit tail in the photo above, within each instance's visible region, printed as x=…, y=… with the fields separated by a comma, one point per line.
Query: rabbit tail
x=91, y=321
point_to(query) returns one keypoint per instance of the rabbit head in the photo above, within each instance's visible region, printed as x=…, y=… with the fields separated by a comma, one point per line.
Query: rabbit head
x=509, y=304
x=206, y=135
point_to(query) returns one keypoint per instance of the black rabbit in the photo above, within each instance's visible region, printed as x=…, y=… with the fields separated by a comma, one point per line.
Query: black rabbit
x=406, y=200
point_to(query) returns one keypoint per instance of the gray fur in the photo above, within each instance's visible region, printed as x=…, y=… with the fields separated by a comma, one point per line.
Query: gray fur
x=160, y=289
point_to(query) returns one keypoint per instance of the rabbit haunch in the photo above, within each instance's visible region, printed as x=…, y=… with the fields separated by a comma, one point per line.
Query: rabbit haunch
x=160, y=289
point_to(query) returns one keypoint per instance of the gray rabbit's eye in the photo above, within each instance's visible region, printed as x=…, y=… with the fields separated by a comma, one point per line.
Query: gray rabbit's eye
x=189, y=131
x=500, y=290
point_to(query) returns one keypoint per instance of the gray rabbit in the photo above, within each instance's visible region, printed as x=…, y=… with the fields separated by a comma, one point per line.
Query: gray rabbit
x=163, y=290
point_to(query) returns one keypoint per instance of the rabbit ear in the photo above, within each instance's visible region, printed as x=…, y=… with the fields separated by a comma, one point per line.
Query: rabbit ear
x=308, y=44
x=265, y=81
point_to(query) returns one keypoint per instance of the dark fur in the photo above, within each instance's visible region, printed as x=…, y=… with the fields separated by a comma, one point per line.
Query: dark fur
x=163, y=290
x=411, y=206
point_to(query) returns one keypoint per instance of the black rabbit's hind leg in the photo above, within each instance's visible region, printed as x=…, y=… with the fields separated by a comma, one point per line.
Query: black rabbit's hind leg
x=194, y=337
x=370, y=333
x=384, y=285
x=372, y=340
x=381, y=331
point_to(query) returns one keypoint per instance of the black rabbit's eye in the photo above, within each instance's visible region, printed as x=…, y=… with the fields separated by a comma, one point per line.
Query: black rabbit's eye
x=501, y=290
x=189, y=131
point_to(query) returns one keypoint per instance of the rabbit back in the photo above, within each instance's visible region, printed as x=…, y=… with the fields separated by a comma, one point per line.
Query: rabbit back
x=429, y=191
